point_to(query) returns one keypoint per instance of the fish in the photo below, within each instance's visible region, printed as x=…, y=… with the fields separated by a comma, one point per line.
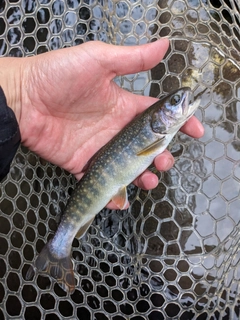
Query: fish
x=113, y=168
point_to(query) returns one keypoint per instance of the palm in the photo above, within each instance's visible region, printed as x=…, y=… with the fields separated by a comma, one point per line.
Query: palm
x=77, y=106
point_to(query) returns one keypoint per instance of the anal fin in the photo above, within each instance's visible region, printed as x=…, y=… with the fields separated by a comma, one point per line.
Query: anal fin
x=121, y=198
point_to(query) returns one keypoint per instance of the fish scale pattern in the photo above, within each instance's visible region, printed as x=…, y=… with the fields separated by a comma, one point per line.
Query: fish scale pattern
x=174, y=254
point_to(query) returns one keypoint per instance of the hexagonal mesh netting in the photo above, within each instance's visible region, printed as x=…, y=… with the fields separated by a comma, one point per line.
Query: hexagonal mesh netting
x=174, y=253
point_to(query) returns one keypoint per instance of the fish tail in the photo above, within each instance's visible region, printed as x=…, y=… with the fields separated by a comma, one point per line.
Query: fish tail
x=59, y=269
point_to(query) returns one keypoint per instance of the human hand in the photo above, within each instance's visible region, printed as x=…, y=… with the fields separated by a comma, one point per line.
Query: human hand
x=69, y=105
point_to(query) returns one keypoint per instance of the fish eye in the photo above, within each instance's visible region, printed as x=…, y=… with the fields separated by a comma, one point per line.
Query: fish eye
x=175, y=99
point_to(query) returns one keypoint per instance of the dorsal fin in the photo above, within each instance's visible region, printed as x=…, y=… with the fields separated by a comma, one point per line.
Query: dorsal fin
x=84, y=228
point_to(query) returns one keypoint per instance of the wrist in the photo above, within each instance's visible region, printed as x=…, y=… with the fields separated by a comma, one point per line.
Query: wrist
x=11, y=82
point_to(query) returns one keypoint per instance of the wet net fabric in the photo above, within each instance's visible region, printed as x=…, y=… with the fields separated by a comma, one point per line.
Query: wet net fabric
x=174, y=254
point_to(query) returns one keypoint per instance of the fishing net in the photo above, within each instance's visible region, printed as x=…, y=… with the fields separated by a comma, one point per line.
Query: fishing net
x=174, y=253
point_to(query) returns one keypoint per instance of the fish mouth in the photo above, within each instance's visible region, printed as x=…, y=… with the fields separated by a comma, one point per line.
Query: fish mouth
x=190, y=104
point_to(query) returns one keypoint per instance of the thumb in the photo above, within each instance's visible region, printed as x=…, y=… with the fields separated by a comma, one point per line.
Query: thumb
x=121, y=60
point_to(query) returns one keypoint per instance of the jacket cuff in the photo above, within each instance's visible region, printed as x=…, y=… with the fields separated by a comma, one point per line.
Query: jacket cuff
x=10, y=137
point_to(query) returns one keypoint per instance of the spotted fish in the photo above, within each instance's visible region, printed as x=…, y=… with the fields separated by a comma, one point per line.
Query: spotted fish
x=115, y=166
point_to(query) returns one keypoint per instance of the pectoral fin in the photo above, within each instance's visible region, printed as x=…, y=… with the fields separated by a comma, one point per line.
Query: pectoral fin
x=121, y=198
x=151, y=148
x=84, y=228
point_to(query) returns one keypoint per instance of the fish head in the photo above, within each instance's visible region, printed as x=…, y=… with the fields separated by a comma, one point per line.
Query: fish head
x=172, y=111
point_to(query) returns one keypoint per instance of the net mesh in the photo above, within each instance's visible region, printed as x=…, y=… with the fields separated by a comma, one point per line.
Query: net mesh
x=174, y=253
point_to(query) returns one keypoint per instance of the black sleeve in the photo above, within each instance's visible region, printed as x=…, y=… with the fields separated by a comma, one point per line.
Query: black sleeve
x=10, y=137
